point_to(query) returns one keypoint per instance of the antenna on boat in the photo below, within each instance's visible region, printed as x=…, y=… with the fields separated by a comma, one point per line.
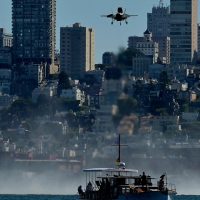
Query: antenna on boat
x=118, y=161
x=119, y=149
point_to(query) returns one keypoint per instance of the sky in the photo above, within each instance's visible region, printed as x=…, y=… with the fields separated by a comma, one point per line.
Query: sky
x=88, y=12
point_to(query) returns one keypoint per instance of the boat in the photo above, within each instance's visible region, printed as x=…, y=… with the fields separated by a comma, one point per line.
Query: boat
x=119, y=183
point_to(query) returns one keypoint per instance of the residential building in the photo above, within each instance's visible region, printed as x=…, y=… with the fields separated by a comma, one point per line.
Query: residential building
x=33, y=27
x=5, y=57
x=140, y=66
x=6, y=39
x=5, y=80
x=27, y=77
x=73, y=94
x=108, y=59
x=77, y=50
x=31, y=71
x=48, y=91
x=133, y=40
x=183, y=31
x=148, y=47
x=155, y=70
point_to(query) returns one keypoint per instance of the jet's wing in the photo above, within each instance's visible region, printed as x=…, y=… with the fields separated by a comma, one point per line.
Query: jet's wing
x=109, y=16
x=130, y=15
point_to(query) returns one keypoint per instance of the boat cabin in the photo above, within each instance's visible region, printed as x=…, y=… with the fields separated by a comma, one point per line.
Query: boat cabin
x=109, y=183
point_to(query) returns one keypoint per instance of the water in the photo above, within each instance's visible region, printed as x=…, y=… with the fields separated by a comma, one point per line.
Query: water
x=39, y=197
x=74, y=197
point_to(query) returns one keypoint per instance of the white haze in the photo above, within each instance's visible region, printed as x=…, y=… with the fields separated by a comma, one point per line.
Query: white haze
x=17, y=182
x=50, y=183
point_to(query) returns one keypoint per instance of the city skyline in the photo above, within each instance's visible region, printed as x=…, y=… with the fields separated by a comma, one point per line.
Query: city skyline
x=107, y=37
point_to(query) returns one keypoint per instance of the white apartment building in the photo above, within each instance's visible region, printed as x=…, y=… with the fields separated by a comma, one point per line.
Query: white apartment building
x=148, y=46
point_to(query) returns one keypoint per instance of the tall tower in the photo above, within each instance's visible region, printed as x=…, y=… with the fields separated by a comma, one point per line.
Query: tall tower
x=76, y=50
x=33, y=27
x=158, y=22
x=183, y=30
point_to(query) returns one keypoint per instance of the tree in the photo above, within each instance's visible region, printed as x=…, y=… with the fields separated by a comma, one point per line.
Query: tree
x=21, y=108
x=125, y=56
x=127, y=106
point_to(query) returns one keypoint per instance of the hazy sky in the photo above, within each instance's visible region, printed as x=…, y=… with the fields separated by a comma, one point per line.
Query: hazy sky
x=107, y=37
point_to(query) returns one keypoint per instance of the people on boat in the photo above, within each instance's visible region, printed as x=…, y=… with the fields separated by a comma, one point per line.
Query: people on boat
x=89, y=187
x=143, y=179
x=103, y=185
x=80, y=190
x=161, y=182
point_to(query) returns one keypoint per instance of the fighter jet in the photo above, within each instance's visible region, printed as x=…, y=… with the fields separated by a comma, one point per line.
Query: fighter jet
x=119, y=16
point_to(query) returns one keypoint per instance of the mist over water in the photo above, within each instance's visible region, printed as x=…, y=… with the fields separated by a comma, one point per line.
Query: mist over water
x=188, y=183
x=55, y=183
x=52, y=183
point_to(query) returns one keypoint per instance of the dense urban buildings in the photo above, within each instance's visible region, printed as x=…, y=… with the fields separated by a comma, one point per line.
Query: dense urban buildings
x=33, y=27
x=158, y=22
x=76, y=50
x=183, y=31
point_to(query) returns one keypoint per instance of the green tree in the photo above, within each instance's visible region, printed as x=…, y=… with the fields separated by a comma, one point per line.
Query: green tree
x=22, y=109
x=127, y=106
x=125, y=56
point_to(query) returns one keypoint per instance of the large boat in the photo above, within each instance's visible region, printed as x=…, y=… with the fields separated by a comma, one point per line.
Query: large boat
x=120, y=183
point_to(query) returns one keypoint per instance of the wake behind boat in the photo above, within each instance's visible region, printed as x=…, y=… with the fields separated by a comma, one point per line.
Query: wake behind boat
x=124, y=184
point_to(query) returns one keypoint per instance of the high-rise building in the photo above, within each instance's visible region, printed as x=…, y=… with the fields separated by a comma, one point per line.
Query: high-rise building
x=183, y=31
x=158, y=22
x=33, y=27
x=76, y=50
x=198, y=36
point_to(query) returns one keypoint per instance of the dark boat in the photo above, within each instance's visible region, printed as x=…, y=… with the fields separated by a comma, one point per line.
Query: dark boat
x=120, y=183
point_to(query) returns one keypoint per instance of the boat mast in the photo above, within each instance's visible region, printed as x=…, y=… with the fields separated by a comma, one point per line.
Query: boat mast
x=118, y=161
x=119, y=149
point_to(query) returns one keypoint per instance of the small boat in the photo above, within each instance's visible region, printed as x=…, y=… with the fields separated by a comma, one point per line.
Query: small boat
x=120, y=183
